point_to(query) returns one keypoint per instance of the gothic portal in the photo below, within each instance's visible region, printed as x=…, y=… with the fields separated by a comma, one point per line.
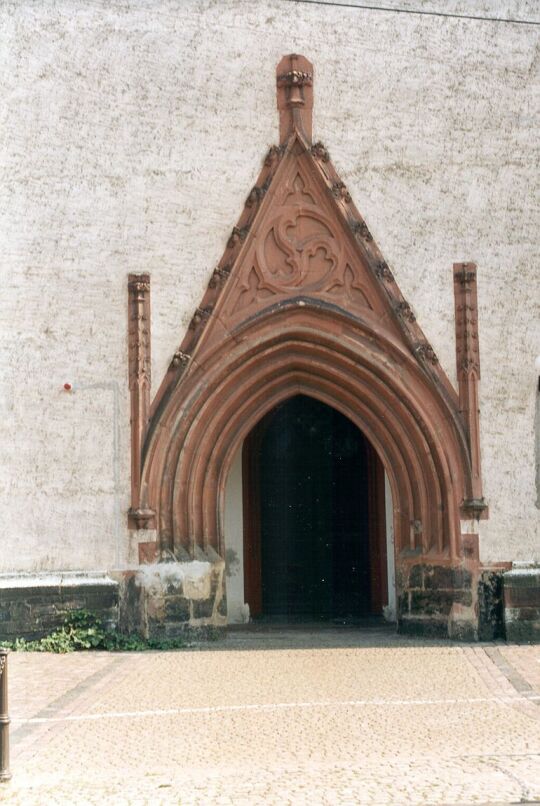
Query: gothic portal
x=303, y=305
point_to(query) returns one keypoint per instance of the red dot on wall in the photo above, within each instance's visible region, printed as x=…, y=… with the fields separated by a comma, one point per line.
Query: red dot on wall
x=67, y=387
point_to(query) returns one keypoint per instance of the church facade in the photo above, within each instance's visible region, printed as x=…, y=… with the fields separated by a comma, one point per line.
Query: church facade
x=308, y=395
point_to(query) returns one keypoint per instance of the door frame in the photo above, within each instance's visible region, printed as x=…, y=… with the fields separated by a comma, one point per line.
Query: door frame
x=251, y=505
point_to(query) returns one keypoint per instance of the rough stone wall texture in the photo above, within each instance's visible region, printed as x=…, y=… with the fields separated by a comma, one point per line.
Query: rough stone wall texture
x=131, y=134
x=168, y=599
x=521, y=597
x=34, y=606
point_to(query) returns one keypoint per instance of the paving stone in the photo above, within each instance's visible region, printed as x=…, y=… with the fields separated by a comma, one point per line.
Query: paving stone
x=276, y=717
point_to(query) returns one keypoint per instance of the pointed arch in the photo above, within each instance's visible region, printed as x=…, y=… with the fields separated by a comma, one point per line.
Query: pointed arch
x=305, y=347
x=303, y=302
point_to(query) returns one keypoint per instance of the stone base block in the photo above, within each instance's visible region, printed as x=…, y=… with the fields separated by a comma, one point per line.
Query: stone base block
x=32, y=606
x=438, y=602
x=521, y=596
x=171, y=599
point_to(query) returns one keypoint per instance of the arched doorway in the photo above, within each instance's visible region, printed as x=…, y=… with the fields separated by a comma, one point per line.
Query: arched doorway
x=314, y=517
x=302, y=302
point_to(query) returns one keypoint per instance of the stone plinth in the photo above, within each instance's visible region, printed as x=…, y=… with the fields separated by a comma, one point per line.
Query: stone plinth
x=168, y=599
x=521, y=596
x=32, y=606
x=438, y=601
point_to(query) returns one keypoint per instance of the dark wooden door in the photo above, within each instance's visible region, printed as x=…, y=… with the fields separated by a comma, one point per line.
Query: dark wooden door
x=314, y=533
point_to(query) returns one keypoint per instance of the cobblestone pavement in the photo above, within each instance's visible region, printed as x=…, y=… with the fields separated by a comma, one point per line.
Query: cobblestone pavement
x=279, y=717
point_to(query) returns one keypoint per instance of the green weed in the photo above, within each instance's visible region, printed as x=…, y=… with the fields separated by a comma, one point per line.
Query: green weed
x=84, y=630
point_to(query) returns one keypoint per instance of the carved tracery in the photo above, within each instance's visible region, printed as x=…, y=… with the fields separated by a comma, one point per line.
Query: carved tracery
x=298, y=247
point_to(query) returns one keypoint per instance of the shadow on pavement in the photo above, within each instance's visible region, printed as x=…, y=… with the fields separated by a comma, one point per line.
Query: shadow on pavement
x=278, y=635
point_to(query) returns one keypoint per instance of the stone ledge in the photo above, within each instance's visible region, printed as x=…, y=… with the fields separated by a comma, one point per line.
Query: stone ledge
x=170, y=598
x=33, y=605
x=55, y=579
x=423, y=627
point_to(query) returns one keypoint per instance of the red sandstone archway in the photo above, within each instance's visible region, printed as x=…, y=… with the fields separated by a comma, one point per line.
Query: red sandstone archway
x=303, y=302
x=306, y=348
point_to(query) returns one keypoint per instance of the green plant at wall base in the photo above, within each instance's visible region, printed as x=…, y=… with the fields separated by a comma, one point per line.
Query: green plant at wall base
x=84, y=630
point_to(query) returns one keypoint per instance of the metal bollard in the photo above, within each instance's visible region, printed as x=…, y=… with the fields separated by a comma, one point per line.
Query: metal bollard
x=5, y=774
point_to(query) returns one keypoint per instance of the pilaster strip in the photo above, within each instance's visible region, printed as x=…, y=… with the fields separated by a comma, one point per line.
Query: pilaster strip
x=139, y=362
x=468, y=374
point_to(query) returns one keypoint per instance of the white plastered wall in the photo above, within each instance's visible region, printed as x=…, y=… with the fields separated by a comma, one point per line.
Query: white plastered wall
x=131, y=135
x=390, y=611
x=237, y=609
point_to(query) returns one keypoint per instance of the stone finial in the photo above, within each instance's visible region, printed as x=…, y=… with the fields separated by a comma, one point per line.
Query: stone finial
x=294, y=96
